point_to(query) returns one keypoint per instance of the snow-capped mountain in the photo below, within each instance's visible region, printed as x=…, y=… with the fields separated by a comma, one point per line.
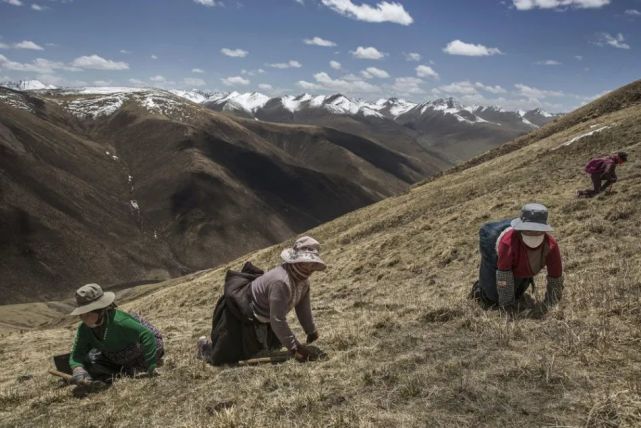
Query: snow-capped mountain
x=455, y=131
x=26, y=85
x=286, y=108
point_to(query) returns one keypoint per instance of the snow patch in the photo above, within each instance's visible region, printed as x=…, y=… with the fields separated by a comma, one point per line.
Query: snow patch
x=194, y=97
x=96, y=106
x=528, y=123
x=582, y=136
x=134, y=204
x=16, y=101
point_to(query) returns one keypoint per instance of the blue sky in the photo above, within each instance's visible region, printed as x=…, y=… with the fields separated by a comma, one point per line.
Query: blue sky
x=555, y=54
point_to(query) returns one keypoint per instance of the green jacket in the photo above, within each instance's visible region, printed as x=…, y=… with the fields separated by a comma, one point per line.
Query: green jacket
x=120, y=330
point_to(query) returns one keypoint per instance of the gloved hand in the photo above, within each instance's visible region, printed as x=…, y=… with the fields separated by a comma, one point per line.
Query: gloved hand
x=81, y=376
x=554, y=291
x=505, y=288
x=301, y=353
x=312, y=337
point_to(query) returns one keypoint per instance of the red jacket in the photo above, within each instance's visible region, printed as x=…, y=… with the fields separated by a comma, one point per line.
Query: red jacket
x=512, y=255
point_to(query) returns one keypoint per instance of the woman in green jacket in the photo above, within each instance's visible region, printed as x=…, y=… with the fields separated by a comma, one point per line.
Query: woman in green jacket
x=110, y=341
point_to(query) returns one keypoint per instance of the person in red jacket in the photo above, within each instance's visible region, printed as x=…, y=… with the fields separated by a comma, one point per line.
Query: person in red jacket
x=602, y=171
x=521, y=251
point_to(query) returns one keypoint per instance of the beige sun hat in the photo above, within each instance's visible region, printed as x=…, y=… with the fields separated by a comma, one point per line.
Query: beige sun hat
x=305, y=250
x=90, y=297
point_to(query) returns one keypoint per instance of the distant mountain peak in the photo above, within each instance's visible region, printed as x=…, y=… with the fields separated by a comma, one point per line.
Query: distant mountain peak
x=27, y=85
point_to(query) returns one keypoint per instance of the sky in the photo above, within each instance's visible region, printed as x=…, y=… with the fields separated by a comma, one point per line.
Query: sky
x=553, y=54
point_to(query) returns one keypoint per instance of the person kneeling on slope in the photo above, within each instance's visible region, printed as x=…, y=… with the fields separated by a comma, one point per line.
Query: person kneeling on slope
x=512, y=253
x=109, y=341
x=251, y=316
x=602, y=170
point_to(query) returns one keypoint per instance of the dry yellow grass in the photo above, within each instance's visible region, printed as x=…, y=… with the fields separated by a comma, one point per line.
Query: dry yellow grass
x=406, y=348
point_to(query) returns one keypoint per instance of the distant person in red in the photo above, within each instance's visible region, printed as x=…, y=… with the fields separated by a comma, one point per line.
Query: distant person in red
x=602, y=169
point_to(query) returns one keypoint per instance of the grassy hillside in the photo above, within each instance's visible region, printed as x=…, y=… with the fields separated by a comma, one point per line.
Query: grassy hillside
x=405, y=346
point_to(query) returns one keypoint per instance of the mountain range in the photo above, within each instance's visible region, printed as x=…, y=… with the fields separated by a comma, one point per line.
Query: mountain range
x=128, y=185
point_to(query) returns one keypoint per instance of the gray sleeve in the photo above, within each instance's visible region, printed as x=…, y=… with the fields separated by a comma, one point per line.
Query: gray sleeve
x=554, y=291
x=278, y=308
x=505, y=287
x=304, y=314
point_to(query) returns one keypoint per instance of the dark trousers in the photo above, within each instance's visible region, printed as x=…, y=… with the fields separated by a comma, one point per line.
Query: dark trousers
x=600, y=182
x=487, y=284
x=233, y=340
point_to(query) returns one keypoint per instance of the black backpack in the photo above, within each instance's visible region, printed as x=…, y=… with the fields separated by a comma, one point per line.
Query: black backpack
x=237, y=291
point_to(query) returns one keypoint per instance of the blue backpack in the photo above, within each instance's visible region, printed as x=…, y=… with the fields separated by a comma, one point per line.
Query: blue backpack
x=488, y=235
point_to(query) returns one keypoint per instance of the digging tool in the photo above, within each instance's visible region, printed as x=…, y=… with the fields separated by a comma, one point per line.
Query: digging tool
x=280, y=357
x=274, y=359
x=65, y=376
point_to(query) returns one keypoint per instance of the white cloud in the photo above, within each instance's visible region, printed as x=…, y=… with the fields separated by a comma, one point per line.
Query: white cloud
x=497, y=89
x=136, y=82
x=555, y=4
x=459, y=88
x=548, y=62
x=4, y=46
x=153, y=56
x=208, y=3
x=158, y=78
x=235, y=80
x=335, y=65
x=578, y=57
x=102, y=82
x=616, y=41
x=372, y=72
x=39, y=65
x=633, y=12
x=458, y=47
x=534, y=93
x=13, y=2
x=317, y=41
x=38, y=7
x=265, y=87
x=28, y=44
x=260, y=70
x=367, y=53
x=300, y=2
x=412, y=56
x=197, y=70
x=289, y=64
x=95, y=62
x=125, y=51
x=408, y=86
x=234, y=53
x=426, y=71
x=384, y=11
x=325, y=82
x=191, y=81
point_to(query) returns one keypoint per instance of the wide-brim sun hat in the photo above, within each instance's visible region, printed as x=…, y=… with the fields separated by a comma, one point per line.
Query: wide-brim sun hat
x=305, y=250
x=534, y=218
x=90, y=297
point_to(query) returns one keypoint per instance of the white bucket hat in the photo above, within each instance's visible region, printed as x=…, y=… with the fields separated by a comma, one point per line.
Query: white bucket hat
x=90, y=297
x=305, y=250
x=534, y=218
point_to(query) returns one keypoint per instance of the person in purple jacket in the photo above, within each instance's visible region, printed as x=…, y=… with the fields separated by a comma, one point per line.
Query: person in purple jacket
x=602, y=171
